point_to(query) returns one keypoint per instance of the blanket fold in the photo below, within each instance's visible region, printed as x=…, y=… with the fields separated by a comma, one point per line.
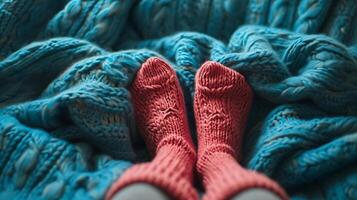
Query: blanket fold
x=66, y=118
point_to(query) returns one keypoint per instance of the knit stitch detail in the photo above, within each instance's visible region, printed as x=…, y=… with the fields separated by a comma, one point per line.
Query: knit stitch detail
x=161, y=116
x=222, y=103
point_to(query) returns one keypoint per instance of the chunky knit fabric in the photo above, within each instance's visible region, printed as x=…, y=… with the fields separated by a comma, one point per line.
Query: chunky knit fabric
x=162, y=119
x=67, y=128
x=222, y=103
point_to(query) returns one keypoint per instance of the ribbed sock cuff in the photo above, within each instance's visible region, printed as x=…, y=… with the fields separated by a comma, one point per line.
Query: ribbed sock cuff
x=171, y=171
x=225, y=178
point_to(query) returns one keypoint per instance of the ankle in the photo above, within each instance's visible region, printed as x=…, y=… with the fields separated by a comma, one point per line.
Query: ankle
x=213, y=156
x=179, y=147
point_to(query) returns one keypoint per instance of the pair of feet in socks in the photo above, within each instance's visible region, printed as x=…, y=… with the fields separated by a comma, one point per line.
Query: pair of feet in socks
x=222, y=102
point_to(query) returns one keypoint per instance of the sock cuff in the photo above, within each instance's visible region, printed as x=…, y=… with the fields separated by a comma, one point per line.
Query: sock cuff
x=170, y=171
x=228, y=179
x=174, y=186
x=252, y=179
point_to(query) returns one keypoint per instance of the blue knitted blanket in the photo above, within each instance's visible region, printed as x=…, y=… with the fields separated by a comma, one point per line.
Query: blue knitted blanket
x=66, y=120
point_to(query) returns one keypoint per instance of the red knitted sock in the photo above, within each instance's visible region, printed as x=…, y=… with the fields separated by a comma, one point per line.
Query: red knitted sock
x=161, y=117
x=222, y=103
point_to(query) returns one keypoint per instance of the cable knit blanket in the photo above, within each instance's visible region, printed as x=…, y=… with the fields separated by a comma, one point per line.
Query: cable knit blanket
x=66, y=120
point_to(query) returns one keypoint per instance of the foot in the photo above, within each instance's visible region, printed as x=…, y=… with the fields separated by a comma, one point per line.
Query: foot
x=222, y=103
x=161, y=118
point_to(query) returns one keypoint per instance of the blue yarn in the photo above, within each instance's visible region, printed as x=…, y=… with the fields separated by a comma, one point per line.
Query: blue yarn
x=35, y=165
x=67, y=129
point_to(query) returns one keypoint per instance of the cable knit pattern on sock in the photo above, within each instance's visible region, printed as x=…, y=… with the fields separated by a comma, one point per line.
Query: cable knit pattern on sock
x=161, y=116
x=222, y=102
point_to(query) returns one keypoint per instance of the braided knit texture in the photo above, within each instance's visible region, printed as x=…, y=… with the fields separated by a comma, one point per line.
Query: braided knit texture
x=67, y=126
